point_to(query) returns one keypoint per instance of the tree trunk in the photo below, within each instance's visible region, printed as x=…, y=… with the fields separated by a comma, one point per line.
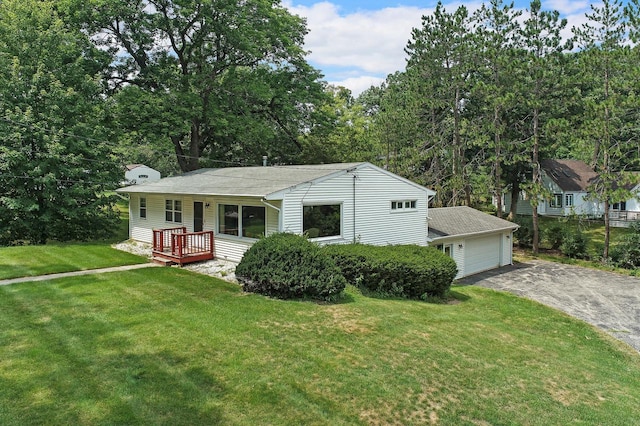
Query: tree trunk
x=515, y=194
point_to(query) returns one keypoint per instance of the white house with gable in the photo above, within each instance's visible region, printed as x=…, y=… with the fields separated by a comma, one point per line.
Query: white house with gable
x=136, y=174
x=331, y=203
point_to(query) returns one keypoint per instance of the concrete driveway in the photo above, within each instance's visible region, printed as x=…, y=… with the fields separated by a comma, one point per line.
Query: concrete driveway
x=607, y=300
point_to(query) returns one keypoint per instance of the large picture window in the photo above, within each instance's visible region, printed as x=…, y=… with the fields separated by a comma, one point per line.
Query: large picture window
x=322, y=220
x=173, y=211
x=250, y=224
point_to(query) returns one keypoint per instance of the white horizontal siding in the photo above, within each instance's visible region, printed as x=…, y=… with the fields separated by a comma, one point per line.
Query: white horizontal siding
x=231, y=249
x=507, y=249
x=373, y=221
x=227, y=247
x=142, y=229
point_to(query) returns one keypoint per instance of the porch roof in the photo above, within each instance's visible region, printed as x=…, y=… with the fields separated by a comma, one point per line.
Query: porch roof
x=240, y=181
x=464, y=221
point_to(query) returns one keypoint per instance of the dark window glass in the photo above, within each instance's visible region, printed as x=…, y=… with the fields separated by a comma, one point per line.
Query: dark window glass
x=143, y=208
x=228, y=219
x=321, y=221
x=253, y=221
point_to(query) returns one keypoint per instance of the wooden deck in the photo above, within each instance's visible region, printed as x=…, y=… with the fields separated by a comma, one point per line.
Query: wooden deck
x=176, y=245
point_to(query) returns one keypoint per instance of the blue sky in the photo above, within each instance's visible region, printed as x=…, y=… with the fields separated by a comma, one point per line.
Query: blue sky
x=357, y=43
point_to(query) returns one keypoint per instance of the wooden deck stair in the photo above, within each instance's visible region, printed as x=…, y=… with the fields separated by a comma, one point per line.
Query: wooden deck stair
x=177, y=246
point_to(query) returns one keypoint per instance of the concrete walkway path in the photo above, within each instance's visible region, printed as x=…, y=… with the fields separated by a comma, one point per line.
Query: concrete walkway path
x=76, y=273
x=606, y=300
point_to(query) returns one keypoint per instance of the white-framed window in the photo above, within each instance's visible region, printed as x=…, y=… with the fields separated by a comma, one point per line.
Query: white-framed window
x=556, y=201
x=322, y=220
x=240, y=220
x=173, y=211
x=142, y=211
x=446, y=249
x=404, y=205
x=568, y=200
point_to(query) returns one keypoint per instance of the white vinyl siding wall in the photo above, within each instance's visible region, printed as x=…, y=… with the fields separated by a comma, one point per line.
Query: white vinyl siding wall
x=227, y=247
x=375, y=223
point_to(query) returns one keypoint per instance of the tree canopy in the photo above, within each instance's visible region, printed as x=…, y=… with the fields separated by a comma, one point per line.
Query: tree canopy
x=54, y=163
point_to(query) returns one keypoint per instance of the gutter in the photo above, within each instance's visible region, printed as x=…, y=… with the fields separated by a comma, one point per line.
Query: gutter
x=472, y=234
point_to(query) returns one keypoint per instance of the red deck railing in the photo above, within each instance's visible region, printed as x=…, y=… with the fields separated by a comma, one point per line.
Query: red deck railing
x=179, y=246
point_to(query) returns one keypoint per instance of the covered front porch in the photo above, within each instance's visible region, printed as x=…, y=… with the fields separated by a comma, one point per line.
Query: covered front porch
x=176, y=245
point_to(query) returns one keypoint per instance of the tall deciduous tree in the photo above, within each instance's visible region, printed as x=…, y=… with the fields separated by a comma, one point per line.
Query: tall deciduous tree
x=224, y=79
x=54, y=166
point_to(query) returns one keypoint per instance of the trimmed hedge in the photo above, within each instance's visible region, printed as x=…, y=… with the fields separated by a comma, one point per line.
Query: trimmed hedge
x=288, y=266
x=409, y=271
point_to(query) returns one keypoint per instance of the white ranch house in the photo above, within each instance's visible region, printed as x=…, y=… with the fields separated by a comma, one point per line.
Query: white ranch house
x=226, y=210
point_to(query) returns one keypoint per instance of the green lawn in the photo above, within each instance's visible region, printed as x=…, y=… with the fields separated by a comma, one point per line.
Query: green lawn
x=24, y=261
x=166, y=346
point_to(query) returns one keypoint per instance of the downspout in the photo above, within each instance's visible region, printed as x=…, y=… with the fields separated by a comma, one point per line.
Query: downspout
x=263, y=201
x=354, y=208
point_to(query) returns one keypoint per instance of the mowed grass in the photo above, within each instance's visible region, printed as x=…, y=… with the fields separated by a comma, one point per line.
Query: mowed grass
x=165, y=346
x=25, y=261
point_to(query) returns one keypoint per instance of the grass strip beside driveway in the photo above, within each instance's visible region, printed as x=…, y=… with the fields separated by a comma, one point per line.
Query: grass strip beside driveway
x=25, y=261
x=166, y=346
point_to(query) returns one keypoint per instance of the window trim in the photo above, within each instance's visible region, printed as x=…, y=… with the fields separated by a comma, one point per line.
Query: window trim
x=407, y=205
x=568, y=200
x=554, y=198
x=173, y=210
x=324, y=203
x=240, y=207
x=142, y=208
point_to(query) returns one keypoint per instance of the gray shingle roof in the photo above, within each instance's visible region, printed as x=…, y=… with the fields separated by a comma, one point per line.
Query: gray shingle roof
x=239, y=181
x=462, y=220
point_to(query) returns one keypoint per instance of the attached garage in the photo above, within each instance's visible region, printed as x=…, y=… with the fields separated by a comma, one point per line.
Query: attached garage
x=475, y=240
x=482, y=253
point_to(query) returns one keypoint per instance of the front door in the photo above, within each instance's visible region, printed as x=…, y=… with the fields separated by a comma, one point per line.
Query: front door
x=198, y=216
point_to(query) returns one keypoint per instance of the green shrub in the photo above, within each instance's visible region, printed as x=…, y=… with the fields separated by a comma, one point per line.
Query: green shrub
x=574, y=245
x=626, y=254
x=406, y=271
x=289, y=266
x=555, y=236
x=524, y=234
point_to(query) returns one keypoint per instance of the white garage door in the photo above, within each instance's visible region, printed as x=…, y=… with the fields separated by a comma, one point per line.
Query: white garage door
x=481, y=254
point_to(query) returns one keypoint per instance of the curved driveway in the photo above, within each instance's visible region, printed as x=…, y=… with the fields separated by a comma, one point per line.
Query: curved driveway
x=607, y=300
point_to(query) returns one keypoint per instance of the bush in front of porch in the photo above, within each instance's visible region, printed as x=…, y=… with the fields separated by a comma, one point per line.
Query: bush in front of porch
x=288, y=266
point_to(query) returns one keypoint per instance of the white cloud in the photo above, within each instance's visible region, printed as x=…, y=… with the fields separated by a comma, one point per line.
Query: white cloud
x=566, y=7
x=358, y=49
x=372, y=41
x=359, y=84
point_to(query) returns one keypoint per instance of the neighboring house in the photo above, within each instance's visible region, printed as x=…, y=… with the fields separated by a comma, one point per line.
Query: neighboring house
x=332, y=203
x=475, y=240
x=136, y=174
x=567, y=181
x=629, y=209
